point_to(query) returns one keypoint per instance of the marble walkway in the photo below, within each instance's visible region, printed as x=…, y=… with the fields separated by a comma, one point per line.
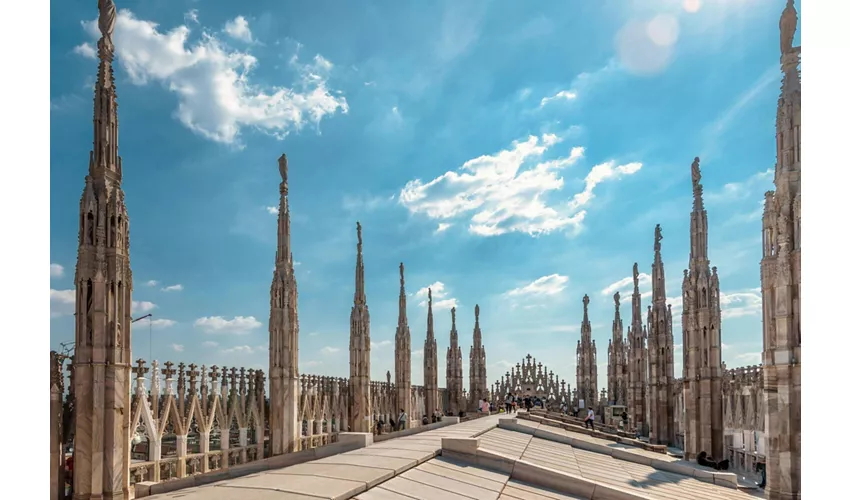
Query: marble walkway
x=345, y=475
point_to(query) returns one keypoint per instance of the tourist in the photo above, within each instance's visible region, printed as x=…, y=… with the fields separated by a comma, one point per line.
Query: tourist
x=509, y=403
x=424, y=419
x=380, y=426
x=480, y=405
x=402, y=420
x=485, y=407
x=588, y=420
x=624, y=418
x=392, y=425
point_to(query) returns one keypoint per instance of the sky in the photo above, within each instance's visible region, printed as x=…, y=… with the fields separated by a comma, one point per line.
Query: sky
x=513, y=155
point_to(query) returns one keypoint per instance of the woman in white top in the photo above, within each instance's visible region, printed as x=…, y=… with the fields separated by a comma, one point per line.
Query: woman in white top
x=485, y=407
x=588, y=420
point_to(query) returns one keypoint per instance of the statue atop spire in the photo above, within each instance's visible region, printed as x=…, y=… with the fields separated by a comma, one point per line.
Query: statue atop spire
x=658, y=238
x=585, y=301
x=477, y=312
x=429, y=299
x=359, y=238
x=696, y=175
x=617, y=302
x=454, y=310
x=106, y=18
x=283, y=166
x=359, y=273
x=635, y=275
x=787, y=27
x=401, y=272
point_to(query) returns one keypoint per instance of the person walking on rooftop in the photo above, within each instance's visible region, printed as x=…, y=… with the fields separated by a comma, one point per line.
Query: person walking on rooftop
x=485, y=407
x=509, y=403
x=402, y=420
x=588, y=420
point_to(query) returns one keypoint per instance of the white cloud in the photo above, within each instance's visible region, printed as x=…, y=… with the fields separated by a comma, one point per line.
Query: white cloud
x=141, y=307
x=56, y=271
x=313, y=334
x=209, y=343
x=498, y=196
x=86, y=50
x=191, y=16
x=737, y=304
x=442, y=227
x=439, y=297
x=177, y=347
x=238, y=29
x=309, y=364
x=273, y=210
x=216, y=97
x=329, y=350
x=239, y=325
x=379, y=344
x=240, y=349
x=62, y=302
x=756, y=184
x=152, y=283
x=173, y=288
x=502, y=364
x=564, y=95
x=546, y=285
x=626, y=285
x=162, y=323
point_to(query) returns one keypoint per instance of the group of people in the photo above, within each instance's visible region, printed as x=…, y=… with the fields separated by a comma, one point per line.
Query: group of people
x=402, y=421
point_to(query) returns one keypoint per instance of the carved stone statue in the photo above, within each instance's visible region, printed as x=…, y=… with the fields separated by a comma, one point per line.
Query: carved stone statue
x=658, y=237
x=401, y=272
x=429, y=292
x=696, y=176
x=283, y=167
x=635, y=274
x=454, y=310
x=617, y=300
x=359, y=237
x=787, y=27
x=585, y=301
x=106, y=18
x=477, y=310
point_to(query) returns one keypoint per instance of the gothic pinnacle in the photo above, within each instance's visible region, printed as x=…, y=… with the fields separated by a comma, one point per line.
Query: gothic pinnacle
x=696, y=177
x=585, y=301
x=430, y=332
x=359, y=280
x=402, y=298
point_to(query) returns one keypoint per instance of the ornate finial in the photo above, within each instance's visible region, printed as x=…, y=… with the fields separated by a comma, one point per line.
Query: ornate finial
x=106, y=18
x=658, y=238
x=696, y=176
x=388, y=377
x=787, y=27
x=585, y=301
x=617, y=300
x=453, y=317
x=477, y=312
x=283, y=167
x=429, y=298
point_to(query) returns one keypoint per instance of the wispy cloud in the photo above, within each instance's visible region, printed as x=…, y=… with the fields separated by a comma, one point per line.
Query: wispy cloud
x=563, y=95
x=498, y=196
x=141, y=307
x=152, y=283
x=160, y=323
x=626, y=285
x=239, y=325
x=173, y=288
x=329, y=350
x=752, y=186
x=177, y=347
x=367, y=203
x=715, y=130
x=62, y=302
x=552, y=284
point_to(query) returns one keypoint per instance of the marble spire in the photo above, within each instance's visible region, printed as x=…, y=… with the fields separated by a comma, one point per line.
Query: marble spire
x=402, y=350
x=360, y=419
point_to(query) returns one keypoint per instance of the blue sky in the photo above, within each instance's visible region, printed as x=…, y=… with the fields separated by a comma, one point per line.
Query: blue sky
x=516, y=156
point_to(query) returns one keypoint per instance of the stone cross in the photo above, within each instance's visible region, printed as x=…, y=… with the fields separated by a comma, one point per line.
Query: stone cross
x=168, y=371
x=140, y=370
x=181, y=376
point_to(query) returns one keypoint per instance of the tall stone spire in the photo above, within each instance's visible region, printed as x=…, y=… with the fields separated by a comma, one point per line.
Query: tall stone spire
x=431, y=391
x=454, y=370
x=477, y=366
x=701, y=339
x=618, y=373
x=104, y=286
x=284, y=421
x=359, y=349
x=662, y=401
x=586, y=376
x=780, y=281
x=637, y=361
x=402, y=351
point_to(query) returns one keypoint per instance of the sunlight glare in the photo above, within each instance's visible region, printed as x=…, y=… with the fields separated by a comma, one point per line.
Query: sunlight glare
x=692, y=6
